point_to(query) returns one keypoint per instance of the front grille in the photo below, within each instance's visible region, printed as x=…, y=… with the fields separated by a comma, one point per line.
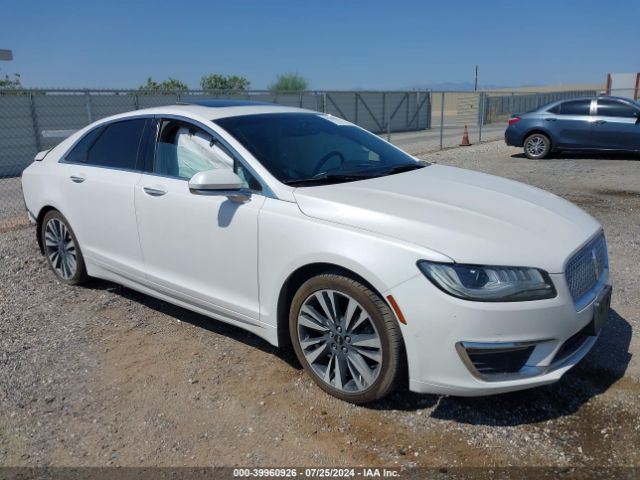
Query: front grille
x=502, y=360
x=585, y=267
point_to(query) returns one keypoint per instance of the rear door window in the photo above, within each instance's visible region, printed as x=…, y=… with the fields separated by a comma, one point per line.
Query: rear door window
x=118, y=145
x=614, y=108
x=575, y=107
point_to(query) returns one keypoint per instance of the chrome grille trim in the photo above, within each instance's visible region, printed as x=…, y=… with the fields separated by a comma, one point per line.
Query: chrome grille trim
x=585, y=268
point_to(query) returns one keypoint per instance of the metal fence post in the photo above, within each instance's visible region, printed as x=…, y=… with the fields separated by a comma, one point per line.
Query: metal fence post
x=441, y=118
x=34, y=122
x=136, y=102
x=355, y=106
x=384, y=111
x=87, y=105
x=324, y=102
x=406, y=123
x=481, y=111
x=388, y=109
x=429, y=113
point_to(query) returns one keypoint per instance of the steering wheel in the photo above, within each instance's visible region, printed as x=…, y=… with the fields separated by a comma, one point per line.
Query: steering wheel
x=324, y=159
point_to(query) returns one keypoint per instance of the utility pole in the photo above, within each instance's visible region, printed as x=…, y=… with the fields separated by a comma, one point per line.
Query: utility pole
x=475, y=88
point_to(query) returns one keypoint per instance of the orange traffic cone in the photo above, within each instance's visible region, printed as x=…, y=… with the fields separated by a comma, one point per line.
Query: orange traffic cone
x=465, y=138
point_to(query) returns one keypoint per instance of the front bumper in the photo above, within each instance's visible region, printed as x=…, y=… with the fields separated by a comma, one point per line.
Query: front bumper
x=446, y=338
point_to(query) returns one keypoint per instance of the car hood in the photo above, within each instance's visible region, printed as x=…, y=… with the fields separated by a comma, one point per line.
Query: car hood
x=468, y=216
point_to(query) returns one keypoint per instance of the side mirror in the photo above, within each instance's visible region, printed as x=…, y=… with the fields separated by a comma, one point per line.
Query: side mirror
x=219, y=182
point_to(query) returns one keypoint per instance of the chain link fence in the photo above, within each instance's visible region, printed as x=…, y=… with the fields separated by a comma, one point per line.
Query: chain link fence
x=417, y=121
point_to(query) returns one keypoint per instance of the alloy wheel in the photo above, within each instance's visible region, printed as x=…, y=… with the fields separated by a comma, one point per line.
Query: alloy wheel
x=60, y=249
x=339, y=341
x=536, y=146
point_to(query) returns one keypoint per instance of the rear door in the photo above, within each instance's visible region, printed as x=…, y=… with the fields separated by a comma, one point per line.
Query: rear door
x=572, y=125
x=98, y=179
x=616, y=125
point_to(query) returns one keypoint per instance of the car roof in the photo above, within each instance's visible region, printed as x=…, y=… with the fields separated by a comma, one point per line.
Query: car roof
x=549, y=105
x=215, y=109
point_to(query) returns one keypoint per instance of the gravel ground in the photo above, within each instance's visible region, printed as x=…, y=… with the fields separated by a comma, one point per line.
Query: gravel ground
x=11, y=202
x=102, y=375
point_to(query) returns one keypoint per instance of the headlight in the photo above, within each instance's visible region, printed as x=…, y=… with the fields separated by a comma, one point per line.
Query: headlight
x=489, y=284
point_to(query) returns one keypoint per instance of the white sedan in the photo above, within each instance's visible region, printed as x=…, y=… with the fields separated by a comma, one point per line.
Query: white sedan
x=304, y=229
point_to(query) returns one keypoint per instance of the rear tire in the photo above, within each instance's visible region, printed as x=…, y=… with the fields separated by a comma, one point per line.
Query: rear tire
x=62, y=250
x=346, y=338
x=537, y=146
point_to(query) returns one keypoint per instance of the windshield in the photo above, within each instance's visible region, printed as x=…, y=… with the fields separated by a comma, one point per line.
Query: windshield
x=310, y=148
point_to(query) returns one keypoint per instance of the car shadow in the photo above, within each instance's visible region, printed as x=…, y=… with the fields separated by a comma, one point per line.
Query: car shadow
x=584, y=155
x=226, y=212
x=198, y=320
x=603, y=366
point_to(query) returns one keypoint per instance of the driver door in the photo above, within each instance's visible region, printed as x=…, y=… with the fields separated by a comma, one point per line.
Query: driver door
x=616, y=125
x=200, y=249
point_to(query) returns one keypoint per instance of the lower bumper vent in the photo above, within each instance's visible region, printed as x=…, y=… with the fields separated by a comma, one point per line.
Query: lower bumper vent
x=499, y=360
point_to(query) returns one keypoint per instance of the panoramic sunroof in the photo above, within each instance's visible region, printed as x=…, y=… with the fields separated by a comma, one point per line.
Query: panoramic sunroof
x=223, y=102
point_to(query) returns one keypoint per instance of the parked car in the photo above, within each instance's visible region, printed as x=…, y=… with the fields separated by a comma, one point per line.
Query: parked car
x=307, y=230
x=602, y=123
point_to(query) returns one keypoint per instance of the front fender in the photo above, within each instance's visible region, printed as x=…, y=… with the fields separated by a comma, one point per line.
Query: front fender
x=290, y=240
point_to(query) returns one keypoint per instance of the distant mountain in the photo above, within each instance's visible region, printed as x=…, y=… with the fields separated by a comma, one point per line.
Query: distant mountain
x=455, y=86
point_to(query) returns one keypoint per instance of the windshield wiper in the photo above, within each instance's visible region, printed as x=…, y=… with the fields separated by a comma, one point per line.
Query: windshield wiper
x=328, y=178
x=403, y=168
x=351, y=177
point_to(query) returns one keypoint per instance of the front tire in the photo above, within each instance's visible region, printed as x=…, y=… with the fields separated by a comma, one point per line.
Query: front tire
x=537, y=146
x=62, y=250
x=346, y=338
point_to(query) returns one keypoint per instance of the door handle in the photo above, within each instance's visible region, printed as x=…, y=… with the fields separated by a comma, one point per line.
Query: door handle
x=550, y=119
x=154, y=191
x=77, y=178
x=600, y=122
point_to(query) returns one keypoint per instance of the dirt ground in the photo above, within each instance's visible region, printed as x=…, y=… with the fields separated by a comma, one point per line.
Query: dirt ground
x=102, y=375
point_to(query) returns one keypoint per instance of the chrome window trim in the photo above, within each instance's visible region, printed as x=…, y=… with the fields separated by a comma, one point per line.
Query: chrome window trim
x=127, y=170
x=266, y=190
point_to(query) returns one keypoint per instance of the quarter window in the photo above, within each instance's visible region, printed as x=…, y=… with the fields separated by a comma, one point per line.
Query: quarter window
x=117, y=145
x=614, y=108
x=78, y=153
x=575, y=107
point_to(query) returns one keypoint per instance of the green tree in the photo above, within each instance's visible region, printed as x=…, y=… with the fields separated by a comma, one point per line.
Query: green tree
x=171, y=84
x=289, y=82
x=215, y=81
x=9, y=83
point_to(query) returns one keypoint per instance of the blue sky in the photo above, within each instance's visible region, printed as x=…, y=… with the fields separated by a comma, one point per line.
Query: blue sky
x=334, y=44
